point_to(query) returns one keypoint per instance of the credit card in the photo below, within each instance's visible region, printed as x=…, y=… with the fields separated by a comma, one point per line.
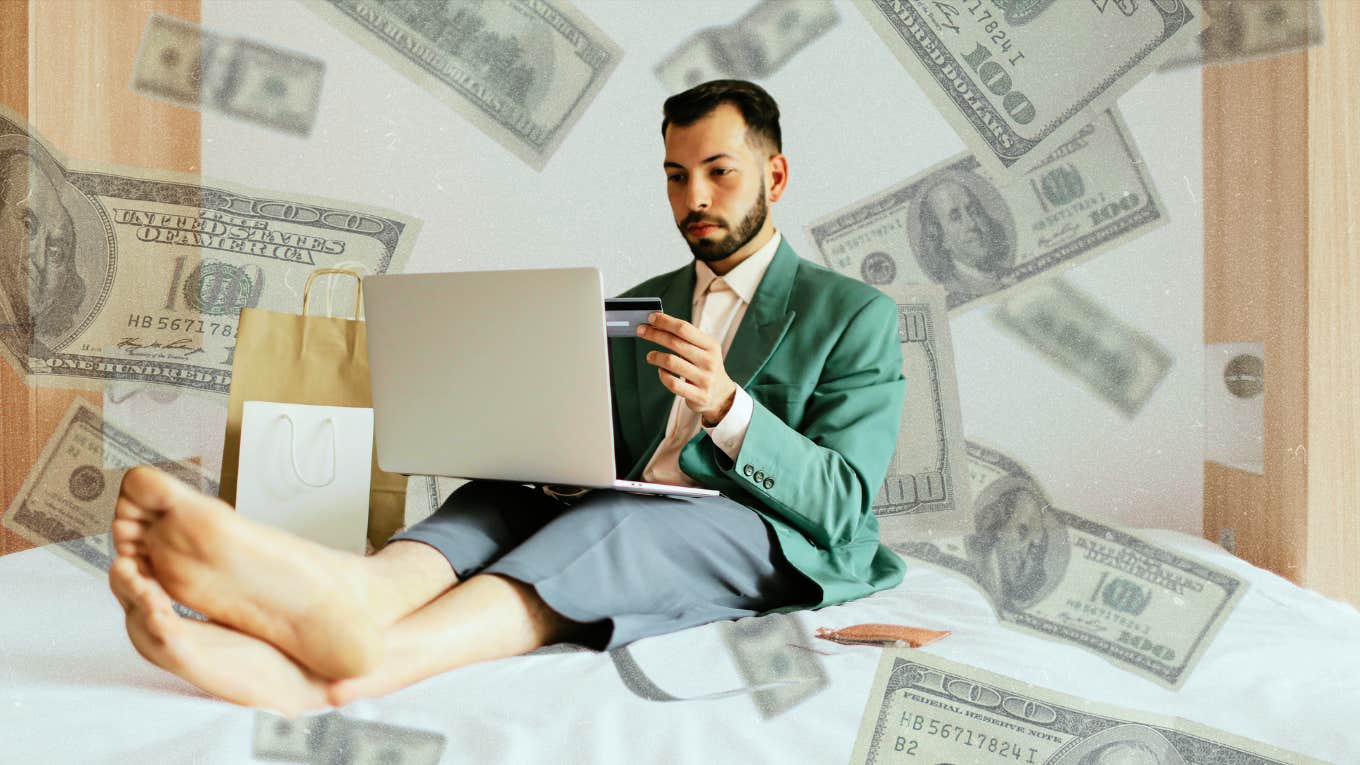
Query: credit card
x=623, y=315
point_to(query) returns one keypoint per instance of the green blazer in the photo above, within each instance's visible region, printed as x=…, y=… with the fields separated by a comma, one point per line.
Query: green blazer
x=820, y=356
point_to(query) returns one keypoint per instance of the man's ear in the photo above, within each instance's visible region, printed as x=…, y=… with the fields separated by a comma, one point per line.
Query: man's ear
x=777, y=175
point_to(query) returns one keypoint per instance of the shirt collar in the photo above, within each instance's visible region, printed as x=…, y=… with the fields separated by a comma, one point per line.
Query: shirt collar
x=745, y=277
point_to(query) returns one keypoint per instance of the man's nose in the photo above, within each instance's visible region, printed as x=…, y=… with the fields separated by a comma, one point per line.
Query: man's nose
x=698, y=196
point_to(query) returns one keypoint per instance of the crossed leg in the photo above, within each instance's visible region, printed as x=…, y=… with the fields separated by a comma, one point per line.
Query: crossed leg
x=295, y=625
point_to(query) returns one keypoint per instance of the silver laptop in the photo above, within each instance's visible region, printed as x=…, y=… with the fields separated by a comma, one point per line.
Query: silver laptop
x=495, y=374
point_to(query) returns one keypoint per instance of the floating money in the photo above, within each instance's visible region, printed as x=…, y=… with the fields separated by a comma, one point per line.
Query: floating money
x=522, y=71
x=925, y=494
x=753, y=47
x=949, y=225
x=426, y=494
x=1246, y=29
x=141, y=277
x=1077, y=335
x=66, y=503
x=766, y=656
x=1017, y=78
x=779, y=672
x=188, y=66
x=1057, y=575
x=333, y=739
x=924, y=709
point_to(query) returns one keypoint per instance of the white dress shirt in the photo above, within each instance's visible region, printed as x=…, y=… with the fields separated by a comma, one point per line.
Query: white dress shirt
x=717, y=312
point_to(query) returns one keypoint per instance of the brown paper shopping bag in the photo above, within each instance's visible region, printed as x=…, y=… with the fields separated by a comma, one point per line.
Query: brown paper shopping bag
x=301, y=359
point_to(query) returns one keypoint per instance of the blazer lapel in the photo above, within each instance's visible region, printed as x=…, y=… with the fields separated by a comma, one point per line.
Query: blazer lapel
x=766, y=319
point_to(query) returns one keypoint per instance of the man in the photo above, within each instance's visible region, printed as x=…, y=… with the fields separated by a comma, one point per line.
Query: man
x=965, y=247
x=785, y=393
x=40, y=289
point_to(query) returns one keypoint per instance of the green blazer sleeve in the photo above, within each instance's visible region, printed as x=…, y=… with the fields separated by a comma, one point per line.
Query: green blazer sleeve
x=822, y=478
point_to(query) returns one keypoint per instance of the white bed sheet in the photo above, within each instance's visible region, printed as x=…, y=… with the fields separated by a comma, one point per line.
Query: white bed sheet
x=1284, y=670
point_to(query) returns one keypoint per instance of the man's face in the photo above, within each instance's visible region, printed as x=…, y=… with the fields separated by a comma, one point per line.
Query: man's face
x=715, y=181
x=36, y=237
x=1020, y=544
x=964, y=225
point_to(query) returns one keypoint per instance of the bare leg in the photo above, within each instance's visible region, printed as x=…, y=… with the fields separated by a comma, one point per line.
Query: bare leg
x=487, y=617
x=323, y=607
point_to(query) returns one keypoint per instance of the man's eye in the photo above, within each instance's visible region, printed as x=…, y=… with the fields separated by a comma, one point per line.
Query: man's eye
x=722, y=170
x=31, y=223
x=673, y=178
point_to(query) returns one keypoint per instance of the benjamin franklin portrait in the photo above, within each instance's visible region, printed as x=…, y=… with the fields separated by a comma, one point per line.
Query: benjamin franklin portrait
x=1019, y=549
x=1126, y=744
x=964, y=235
x=44, y=279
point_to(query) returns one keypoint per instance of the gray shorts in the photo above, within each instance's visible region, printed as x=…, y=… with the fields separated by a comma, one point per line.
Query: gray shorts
x=628, y=565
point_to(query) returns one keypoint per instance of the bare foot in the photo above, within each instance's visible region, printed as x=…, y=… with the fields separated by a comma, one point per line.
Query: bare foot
x=221, y=661
x=308, y=600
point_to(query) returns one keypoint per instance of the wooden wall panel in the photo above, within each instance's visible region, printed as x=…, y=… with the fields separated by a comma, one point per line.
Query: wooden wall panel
x=1333, y=456
x=66, y=67
x=1255, y=289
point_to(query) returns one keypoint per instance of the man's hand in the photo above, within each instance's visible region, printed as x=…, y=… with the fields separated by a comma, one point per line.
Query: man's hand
x=695, y=371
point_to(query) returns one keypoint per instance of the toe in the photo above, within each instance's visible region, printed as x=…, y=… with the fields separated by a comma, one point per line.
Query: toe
x=127, y=530
x=121, y=574
x=149, y=489
x=124, y=509
x=341, y=692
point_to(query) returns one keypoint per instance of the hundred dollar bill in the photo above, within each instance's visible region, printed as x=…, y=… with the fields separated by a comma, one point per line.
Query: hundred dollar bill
x=297, y=739
x=426, y=494
x=924, y=709
x=1017, y=78
x=1057, y=575
x=334, y=739
x=769, y=657
x=926, y=492
x=950, y=225
x=522, y=71
x=183, y=64
x=780, y=673
x=140, y=275
x=753, y=47
x=1247, y=29
x=1079, y=336
x=66, y=503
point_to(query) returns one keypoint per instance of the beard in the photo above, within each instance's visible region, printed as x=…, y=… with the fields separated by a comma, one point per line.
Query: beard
x=710, y=251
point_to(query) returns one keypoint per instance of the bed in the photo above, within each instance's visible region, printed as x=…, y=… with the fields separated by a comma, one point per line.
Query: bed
x=1284, y=670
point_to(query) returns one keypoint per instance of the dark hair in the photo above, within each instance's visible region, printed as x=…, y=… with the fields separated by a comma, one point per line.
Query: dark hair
x=757, y=108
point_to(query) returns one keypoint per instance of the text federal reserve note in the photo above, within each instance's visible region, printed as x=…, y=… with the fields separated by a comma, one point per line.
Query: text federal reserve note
x=926, y=493
x=522, y=71
x=924, y=709
x=952, y=226
x=753, y=47
x=1082, y=338
x=111, y=273
x=1246, y=29
x=1017, y=78
x=1057, y=575
x=67, y=501
x=189, y=66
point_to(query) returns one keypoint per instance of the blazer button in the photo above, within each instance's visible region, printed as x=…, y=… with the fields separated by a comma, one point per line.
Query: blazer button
x=759, y=476
x=769, y=483
x=748, y=470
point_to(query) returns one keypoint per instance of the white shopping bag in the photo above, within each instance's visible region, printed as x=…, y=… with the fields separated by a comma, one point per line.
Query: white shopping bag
x=305, y=469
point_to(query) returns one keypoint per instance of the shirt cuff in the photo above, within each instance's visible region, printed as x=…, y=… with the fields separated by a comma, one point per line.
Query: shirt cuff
x=730, y=431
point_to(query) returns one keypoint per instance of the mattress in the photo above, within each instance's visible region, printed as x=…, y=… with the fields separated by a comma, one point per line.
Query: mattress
x=1284, y=670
